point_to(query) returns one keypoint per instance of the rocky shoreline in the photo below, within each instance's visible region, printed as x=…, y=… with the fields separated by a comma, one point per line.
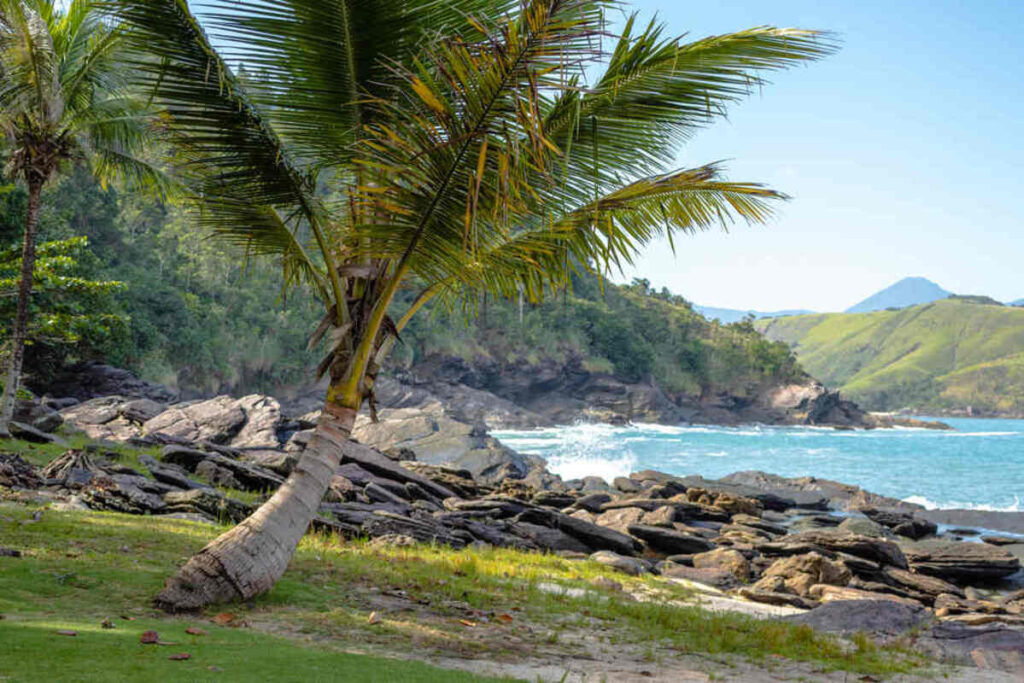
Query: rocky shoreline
x=818, y=549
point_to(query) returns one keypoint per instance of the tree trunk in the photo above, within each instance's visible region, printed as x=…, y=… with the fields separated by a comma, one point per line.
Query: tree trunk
x=19, y=329
x=251, y=557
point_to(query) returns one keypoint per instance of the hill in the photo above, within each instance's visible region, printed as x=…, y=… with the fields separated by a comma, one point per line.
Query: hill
x=910, y=291
x=203, y=321
x=947, y=355
x=735, y=315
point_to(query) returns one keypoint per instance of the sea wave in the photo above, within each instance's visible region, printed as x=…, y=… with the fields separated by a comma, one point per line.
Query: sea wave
x=929, y=504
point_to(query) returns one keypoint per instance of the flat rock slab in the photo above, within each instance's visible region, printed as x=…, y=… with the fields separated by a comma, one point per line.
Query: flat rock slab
x=670, y=541
x=874, y=549
x=877, y=617
x=959, y=561
x=248, y=476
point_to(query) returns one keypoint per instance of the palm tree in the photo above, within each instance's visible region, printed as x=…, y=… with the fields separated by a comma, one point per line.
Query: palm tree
x=62, y=99
x=441, y=148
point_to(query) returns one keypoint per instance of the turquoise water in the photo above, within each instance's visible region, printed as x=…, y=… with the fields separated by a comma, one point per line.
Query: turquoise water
x=980, y=465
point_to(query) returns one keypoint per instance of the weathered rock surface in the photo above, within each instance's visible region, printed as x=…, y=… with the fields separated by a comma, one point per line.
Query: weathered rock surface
x=878, y=617
x=961, y=562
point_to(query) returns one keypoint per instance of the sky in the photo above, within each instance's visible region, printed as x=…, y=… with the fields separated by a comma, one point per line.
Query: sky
x=903, y=153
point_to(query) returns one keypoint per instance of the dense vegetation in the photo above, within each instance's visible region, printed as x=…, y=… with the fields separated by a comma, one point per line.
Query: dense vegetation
x=195, y=315
x=947, y=355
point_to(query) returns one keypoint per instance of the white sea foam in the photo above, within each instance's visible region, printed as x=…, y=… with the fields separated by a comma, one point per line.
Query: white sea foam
x=929, y=504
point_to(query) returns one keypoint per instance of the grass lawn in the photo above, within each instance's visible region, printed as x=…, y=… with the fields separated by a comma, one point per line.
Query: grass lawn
x=427, y=602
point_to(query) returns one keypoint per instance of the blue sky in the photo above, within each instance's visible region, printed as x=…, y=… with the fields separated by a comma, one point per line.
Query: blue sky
x=903, y=155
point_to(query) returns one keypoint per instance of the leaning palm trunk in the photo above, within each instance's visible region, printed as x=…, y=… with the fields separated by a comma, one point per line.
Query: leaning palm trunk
x=19, y=329
x=249, y=559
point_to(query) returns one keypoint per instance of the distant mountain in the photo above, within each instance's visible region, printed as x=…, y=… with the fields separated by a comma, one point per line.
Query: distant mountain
x=1018, y=302
x=945, y=355
x=910, y=291
x=733, y=315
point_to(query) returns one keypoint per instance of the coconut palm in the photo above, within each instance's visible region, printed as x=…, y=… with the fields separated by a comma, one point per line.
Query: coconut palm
x=62, y=99
x=429, y=150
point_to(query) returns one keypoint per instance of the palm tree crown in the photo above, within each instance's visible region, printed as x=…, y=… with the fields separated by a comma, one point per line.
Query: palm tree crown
x=63, y=97
x=458, y=146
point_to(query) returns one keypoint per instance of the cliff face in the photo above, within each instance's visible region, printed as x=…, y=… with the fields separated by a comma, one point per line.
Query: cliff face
x=523, y=395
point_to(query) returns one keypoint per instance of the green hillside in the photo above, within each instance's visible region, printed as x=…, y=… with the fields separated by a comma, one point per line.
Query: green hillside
x=946, y=355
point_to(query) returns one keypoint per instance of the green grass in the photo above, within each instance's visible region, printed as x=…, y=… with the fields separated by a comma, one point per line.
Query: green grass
x=79, y=568
x=947, y=354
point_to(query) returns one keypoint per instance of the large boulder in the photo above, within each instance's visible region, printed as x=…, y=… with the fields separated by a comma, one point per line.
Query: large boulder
x=725, y=559
x=902, y=523
x=438, y=439
x=799, y=573
x=103, y=418
x=874, y=549
x=216, y=420
x=263, y=421
x=961, y=562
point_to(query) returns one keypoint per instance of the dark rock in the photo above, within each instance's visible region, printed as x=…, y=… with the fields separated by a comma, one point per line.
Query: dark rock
x=217, y=475
x=248, y=476
x=593, y=502
x=961, y=562
x=626, y=485
x=141, y=410
x=9, y=552
x=829, y=409
x=994, y=645
x=877, y=617
x=379, y=494
x=460, y=482
x=1002, y=540
x=106, y=493
x=594, y=536
x=375, y=463
x=875, y=549
x=15, y=472
x=921, y=583
x=865, y=527
x=770, y=498
x=902, y=523
x=210, y=502
x=808, y=489
x=548, y=538
x=758, y=523
x=89, y=380
x=553, y=499
x=20, y=430
x=280, y=462
x=669, y=541
x=169, y=474
x=385, y=523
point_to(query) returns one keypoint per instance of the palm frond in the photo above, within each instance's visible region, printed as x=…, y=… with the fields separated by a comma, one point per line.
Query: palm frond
x=311, y=63
x=656, y=92
x=261, y=231
x=609, y=231
x=227, y=147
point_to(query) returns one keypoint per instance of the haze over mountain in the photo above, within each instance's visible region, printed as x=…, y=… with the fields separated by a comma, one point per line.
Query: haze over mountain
x=910, y=291
x=733, y=315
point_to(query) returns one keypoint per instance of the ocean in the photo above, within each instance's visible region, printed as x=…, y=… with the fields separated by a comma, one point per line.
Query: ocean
x=978, y=466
